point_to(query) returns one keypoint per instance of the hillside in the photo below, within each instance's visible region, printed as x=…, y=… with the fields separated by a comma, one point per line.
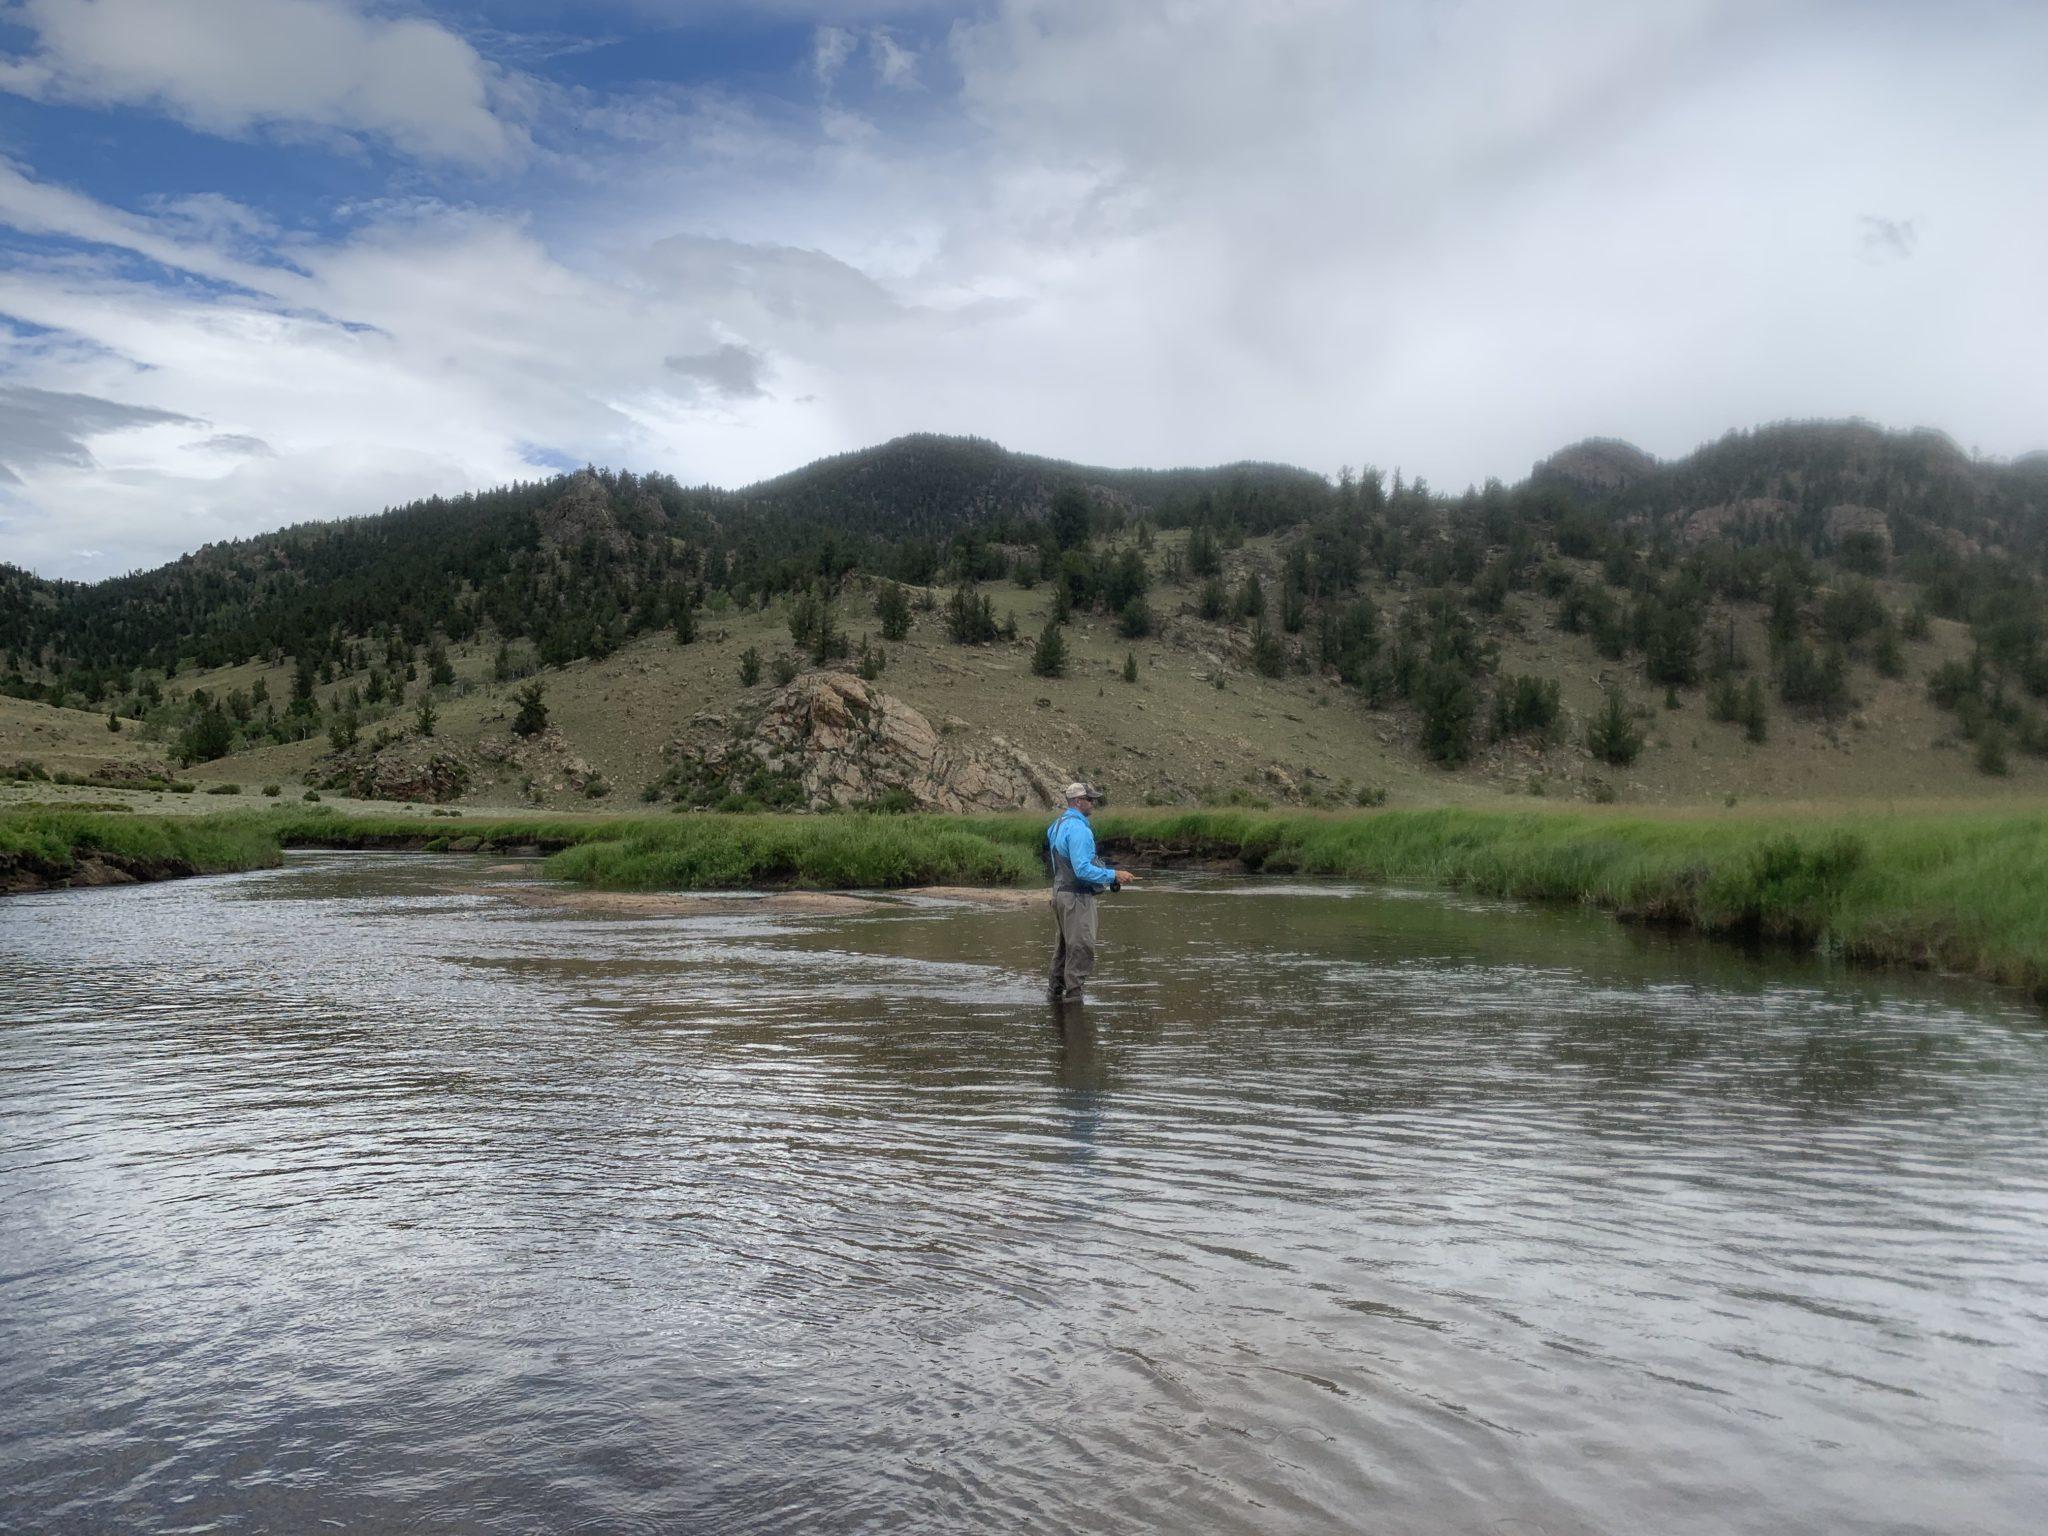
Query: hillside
x=929, y=487
x=1800, y=612
x=588, y=556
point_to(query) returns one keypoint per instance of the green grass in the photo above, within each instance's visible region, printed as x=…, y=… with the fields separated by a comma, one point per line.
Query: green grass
x=819, y=852
x=1960, y=890
x=1964, y=890
x=50, y=844
x=708, y=852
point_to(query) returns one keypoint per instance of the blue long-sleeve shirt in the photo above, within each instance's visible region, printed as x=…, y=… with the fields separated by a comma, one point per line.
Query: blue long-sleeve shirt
x=1073, y=837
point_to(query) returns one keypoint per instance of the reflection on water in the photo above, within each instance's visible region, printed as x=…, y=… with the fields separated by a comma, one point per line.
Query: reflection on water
x=359, y=1192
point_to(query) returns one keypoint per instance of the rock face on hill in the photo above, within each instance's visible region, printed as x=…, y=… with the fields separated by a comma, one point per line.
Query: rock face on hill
x=416, y=768
x=828, y=740
x=544, y=759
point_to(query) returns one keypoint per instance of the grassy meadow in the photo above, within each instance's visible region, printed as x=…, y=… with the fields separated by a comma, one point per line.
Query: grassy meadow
x=1963, y=889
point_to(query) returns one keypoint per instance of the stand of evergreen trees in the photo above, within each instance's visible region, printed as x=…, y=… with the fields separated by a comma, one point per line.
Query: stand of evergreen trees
x=1653, y=564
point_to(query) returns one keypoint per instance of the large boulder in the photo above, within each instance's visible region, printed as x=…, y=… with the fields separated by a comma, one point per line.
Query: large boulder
x=414, y=768
x=827, y=740
x=545, y=759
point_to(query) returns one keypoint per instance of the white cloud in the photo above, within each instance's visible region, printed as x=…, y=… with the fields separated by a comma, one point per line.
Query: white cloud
x=895, y=65
x=831, y=47
x=1447, y=238
x=432, y=352
x=233, y=66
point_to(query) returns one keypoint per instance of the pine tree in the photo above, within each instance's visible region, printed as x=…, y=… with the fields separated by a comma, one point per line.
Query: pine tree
x=1269, y=656
x=750, y=667
x=1612, y=736
x=1991, y=750
x=970, y=618
x=1069, y=518
x=532, y=718
x=806, y=614
x=1130, y=666
x=1293, y=610
x=1449, y=702
x=893, y=609
x=302, y=686
x=425, y=716
x=207, y=737
x=1251, y=599
x=1049, y=656
x=831, y=644
x=1754, y=713
x=1724, y=699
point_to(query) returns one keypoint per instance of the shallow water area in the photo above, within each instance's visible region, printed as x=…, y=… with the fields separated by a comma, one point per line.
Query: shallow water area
x=381, y=1192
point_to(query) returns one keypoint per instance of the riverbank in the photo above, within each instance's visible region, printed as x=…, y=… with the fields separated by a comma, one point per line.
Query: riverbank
x=48, y=848
x=1962, y=890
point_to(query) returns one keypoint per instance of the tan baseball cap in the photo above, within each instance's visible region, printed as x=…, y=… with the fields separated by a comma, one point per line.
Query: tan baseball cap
x=1078, y=791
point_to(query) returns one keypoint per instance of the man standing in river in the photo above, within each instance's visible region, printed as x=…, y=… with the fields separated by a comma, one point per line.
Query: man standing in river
x=1076, y=880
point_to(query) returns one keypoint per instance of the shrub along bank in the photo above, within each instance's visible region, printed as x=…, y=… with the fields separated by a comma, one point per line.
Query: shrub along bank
x=1963, y=890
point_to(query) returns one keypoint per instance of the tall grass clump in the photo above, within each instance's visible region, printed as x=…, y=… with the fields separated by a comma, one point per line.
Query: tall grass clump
x=324, y=827
x=50, y=845
x=822, y=852
x=1958, y=890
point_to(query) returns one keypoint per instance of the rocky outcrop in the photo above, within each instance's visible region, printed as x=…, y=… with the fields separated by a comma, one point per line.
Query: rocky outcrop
x=545, y=759
x=581, y=515
x=1755, y=512
x=416, y=768
x=828, y=740
x=1598, y=464
x=1846, y=518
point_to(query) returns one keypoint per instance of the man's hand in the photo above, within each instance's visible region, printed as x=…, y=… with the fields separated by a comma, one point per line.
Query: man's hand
x=1125, y=877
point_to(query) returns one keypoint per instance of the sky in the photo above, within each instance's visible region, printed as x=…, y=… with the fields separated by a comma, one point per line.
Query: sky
x=271, y=261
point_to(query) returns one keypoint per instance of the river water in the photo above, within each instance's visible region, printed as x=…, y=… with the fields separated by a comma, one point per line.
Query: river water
x=367, y=1194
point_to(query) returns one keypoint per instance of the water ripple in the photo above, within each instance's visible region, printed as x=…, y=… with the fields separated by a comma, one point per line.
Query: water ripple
x=361, y=1193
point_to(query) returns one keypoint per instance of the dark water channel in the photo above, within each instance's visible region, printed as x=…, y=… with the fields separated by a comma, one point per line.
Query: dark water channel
x=361, y=1195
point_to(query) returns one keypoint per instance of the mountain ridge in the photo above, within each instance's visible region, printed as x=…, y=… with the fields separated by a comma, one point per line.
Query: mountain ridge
x=1801, y=558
